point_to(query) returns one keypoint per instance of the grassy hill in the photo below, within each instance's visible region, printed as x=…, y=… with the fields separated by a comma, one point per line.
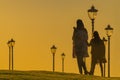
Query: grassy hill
x=47, y=75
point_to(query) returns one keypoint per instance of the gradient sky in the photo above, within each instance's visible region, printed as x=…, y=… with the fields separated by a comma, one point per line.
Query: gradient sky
x=36, y=25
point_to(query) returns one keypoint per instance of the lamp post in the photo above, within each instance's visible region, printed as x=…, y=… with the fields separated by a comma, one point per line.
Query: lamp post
x=109, y=31
x=92, y=13
x=53, y=50
x=8, y=43
x=63, y=57
x=105, y=41
x=11, y=44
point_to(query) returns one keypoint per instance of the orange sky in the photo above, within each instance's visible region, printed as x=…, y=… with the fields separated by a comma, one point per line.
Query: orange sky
x=36, y=25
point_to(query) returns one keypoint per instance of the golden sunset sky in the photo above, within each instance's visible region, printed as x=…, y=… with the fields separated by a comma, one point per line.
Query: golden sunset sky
x=36, y=25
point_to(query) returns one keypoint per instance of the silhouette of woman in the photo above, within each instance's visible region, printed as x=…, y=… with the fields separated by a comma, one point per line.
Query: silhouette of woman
x=80, y=37
x=97, y=52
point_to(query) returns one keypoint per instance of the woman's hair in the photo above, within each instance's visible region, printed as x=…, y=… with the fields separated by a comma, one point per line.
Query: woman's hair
x=95, y=34
x=79, y=24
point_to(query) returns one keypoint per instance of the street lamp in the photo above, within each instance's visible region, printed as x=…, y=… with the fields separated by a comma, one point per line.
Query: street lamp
x=53, y=50
x=11, y=44
x=63, y=57
x=92, y=13
x=109, y=31
x=8, y=43
x=105, y=42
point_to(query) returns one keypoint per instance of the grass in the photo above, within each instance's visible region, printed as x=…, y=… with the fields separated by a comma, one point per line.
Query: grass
x=47, y=75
